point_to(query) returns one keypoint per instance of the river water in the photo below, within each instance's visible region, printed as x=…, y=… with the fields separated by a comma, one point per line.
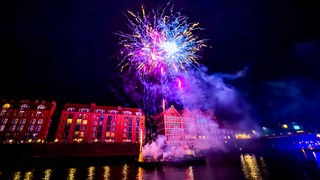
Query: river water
x=240, y=166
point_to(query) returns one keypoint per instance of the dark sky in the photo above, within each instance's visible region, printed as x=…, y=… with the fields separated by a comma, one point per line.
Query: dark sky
x=65, y=51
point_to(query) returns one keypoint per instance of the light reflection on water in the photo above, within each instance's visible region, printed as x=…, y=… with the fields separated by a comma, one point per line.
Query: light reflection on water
x=246, y=166
x=253, y=169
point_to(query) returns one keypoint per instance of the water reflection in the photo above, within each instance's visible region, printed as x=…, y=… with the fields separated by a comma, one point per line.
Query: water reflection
x=251, y=169
x=106, y=172
x=28, y=175
x=189, y=173
x=47, y=174
x=316, y=156
x=72, y=172
x=17, y=175
x=247, y=166
x=140, y=174
x=125, y=170
x=91, y=173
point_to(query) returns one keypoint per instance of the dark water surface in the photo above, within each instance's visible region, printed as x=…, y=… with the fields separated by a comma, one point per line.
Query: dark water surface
x=217, y=167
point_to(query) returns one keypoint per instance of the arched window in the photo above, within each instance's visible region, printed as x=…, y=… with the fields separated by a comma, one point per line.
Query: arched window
x=41, y=107
x=24, y=107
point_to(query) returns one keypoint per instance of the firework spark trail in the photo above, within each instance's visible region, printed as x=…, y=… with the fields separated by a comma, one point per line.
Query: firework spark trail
x=161, y=39
x=160, y=48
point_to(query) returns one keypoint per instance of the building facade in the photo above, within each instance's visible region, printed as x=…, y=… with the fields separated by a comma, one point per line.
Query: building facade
x=92, y=123
x=25, y=121
x=190, y=128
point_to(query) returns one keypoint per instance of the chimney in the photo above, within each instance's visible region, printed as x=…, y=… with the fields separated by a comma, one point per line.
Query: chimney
x=93, y=105
x=119, y=107
x=36, y=101
x=43, y=102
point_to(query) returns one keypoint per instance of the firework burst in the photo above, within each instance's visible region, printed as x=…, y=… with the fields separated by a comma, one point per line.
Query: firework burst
x=160, y=41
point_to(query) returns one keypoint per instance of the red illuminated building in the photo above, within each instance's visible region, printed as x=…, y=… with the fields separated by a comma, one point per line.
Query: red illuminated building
x=189, y=127
x=25, y=121
x=92, y=123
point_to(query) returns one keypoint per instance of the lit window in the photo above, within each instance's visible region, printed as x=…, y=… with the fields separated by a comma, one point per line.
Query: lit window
x=113, y=128
x=6, y=106
x=124, y=135
x=2, y=127
x=69, y=121
x=24, y=107
x=40, y=121
x=107, y=134
x=84, y=122
x=112, y=134
x=124, y=129
x=78, y=121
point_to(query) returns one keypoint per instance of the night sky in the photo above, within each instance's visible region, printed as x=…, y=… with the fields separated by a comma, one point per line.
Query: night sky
x=66, y=51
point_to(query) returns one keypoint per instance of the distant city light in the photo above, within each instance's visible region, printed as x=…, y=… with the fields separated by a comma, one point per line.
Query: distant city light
x=285, y=126
x=296, y=127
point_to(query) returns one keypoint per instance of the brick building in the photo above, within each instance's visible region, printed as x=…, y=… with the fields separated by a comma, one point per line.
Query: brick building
x=92, y=123
x=25, y=121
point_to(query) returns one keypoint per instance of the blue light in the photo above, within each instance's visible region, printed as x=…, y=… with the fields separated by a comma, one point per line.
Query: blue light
x=296, y=127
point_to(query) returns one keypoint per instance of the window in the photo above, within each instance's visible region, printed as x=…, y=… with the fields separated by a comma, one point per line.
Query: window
x=3, y=112
x=23, y=107
x=84, y=122
x=4, y=121
x=71, y=109
x=12, y=127
x=15, y=121
x=38, y=113
x=84, y=110
x=21, y=113
x=69, y=121
x=78, y=121
x=124, y=129
x=41, y=107
x=113, y=128
x=127, y=112
x=84, y=128
x=38, y=127
x=94, y=128
x=114, y=123
x=23, y=121
x=107, y=134
x=113, y=112
x=2, y=127
x=30, y=128
x=138, y=113
x=124, y=135
x=40, y=121
x=93, y=134
x=20, y=128
x=33, y=121
x=100, y=111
